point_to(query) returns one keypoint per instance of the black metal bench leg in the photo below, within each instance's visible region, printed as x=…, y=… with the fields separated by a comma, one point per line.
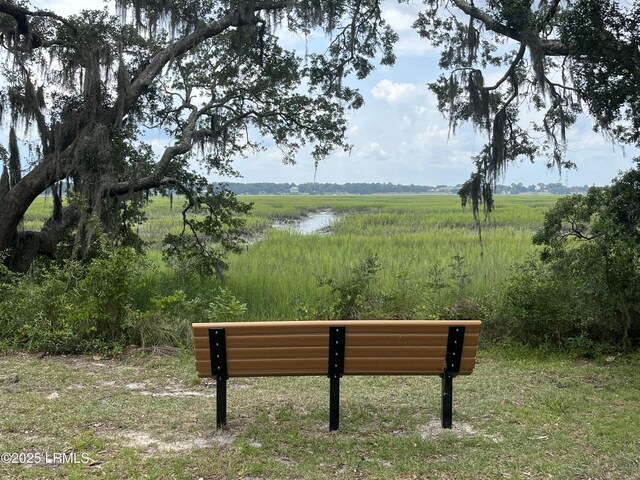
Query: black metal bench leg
x=447, y=400
x=337, y=336
x=218, y=358
x=221, y=402
x=334, y=403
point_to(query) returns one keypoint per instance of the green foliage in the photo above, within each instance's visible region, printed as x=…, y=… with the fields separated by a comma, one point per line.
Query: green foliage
x=353, y=293
x=213, y=226
x=403, y=300
x=427, y=256
x=528, y=309
x=584, y=289
x=164, y=323
x=107, y=287
x=76, y=308
x=359, y=294
x=606, y=67
x=225, y=307
x=557, y=58
x=33, y=313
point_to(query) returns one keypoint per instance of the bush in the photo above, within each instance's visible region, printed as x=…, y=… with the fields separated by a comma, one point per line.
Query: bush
x=225, y=307
x=353, y=296
x=357, y=294
x=582, y=293
x=528, y=310
x=74, y=308
x=33, y=315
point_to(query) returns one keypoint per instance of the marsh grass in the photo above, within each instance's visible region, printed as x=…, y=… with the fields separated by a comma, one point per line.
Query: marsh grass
x=411, y=235
x=414, y=237
x=521, y=414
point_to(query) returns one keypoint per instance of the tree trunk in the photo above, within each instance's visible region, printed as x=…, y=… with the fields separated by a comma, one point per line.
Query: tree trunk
x=17, y=201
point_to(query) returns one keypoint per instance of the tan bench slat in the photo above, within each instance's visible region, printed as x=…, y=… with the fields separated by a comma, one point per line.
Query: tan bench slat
x=291, y=366
x=260, y=373
x=354, y=366
x=367, y=366
x=356, y=326
x=265, y=341
x=418, y=340
x=202, y=354
x=268, y=352
x=320, y=340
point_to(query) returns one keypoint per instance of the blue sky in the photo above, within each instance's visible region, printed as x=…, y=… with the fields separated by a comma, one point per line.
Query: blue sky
x=400, y=137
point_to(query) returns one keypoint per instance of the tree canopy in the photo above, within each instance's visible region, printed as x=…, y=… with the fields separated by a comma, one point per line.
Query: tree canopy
x=83, y=91
x=556, y=57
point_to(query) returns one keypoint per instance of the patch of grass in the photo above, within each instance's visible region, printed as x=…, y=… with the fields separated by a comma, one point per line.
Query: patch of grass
x=521, y=414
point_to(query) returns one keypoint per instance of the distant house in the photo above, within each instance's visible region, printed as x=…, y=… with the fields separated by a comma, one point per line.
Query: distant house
x=294, y=190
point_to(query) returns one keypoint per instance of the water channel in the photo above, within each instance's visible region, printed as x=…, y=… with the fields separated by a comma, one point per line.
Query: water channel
x=311, y=223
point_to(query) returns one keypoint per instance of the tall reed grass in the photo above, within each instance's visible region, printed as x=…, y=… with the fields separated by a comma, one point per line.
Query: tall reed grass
x=415, y=237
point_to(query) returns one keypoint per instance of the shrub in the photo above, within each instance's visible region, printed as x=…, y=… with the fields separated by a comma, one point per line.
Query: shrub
x=528, y=310
x=358, y=294
x=165, y=323
x=353, y=295
x=225, y=307
x=71, y=308
x=582, y=293
x=33, y=314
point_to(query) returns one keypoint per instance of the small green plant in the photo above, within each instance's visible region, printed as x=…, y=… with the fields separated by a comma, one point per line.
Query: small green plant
x=225, y=307
x=459, y=273
x=353, y=295
x=402, y=300
x=435, y=277
x=164, y=324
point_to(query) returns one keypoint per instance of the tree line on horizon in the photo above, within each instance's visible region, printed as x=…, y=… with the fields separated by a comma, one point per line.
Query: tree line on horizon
x=270, y=188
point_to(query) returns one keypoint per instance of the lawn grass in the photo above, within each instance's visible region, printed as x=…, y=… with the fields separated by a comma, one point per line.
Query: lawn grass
x=521, y=414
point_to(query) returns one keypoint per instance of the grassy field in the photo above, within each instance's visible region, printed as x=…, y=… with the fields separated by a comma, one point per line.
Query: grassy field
x=420, y=240
x=522, y=414
x=519, y=415
x=416, y=238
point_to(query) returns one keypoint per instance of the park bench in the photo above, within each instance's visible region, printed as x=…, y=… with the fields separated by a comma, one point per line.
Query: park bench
x=336, y=348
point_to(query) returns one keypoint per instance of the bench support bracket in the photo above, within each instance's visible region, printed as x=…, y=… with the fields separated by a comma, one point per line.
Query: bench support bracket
x=336, y=369
x=218, y=353
x=453, y=357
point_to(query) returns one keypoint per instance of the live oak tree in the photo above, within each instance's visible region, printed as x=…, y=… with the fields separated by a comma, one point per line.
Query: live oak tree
x=84, y=91
x=555, y=57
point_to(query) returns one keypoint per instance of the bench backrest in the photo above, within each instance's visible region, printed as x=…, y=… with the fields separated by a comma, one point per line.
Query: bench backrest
x=372, y=347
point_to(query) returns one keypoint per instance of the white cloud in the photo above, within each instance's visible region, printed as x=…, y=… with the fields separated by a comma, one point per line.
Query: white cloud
x=372, y=150
x=390, y=91
x=401, y=18
x=72, y=7
x=400, y=21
